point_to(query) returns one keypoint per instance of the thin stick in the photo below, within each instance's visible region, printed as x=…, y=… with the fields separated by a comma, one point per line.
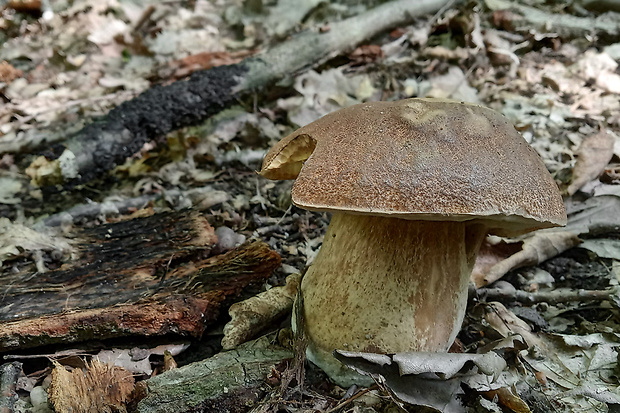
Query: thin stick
x=551, y=297
x=350, y=399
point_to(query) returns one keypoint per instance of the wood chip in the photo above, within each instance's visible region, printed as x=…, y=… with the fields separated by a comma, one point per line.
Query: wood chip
x=100, y=388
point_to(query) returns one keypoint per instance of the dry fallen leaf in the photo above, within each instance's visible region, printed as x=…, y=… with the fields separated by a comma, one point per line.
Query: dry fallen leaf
x=136, y=360
x=17, y=240
x=539, y=247
x=582, y=364
x=429, y=379
x=492, y=253
x=508, y=399
x=8, y=73
x=453, y=85
x=101, y=388
x=594, y=154
x=595, y=216
x=205, y=60
x=507, y=324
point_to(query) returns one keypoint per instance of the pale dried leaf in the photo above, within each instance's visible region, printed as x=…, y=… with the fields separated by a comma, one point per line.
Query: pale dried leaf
x=136, y=360
x=10, y=188
x=428, y=379
x=594, y=154
x=453, y=85
x=539, y=247
x=594, y=216
x=603, y=247
x=17, y=240
x=122, y=358
x=582, y=364
x=600, y=68
x=507, y=324
x=604, y=189
x=325, y=92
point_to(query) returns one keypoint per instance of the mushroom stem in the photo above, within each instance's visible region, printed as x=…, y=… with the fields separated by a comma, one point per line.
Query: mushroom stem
x=386, y=285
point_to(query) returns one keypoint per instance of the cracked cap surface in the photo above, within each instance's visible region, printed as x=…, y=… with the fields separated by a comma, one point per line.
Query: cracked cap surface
x=419, y=159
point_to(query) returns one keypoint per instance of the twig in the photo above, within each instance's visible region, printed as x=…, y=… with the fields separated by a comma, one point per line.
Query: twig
x=74, y=102
x=563, y=295
x=350, y=399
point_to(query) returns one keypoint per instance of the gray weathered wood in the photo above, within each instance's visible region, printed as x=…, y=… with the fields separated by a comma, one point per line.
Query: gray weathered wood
x=227, y=382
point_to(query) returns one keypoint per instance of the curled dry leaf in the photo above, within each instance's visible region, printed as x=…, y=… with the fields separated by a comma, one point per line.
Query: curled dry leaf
x=9, y=73
x=507, y=324
x=100, y=388
x=428, y=379
x=583, y=365
x=491, y=253
x=595, y=216
x=17, y=240
x=541, y=246
x=251, y=316
x=594, y=154
x=169, y=361
x=507, y=398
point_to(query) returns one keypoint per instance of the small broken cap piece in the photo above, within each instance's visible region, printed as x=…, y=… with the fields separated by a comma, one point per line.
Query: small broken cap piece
x=419, y=159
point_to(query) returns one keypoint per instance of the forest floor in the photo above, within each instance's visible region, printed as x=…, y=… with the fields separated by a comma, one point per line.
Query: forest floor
x=547, y=303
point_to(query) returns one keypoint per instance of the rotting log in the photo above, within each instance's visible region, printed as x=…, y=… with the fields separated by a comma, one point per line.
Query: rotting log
x=103, y=144
x=146, y=276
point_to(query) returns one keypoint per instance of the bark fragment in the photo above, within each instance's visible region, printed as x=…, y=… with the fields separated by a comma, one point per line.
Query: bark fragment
x=146, y=276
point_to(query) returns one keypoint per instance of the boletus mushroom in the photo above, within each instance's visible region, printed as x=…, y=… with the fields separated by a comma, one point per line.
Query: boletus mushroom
x=414, y=186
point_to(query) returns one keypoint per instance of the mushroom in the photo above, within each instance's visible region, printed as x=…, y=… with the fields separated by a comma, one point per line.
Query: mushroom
x=413, y=186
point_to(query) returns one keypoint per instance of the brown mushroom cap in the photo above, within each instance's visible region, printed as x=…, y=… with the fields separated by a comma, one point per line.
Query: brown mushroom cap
x=419, y=159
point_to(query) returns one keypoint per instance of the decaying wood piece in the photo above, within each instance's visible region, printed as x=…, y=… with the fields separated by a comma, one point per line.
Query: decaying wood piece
x=99, y=388
x=230, y=381
x=146, y=276
x=102, y=145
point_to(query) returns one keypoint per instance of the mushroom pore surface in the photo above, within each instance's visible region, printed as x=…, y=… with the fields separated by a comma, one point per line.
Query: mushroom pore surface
x=386, y=285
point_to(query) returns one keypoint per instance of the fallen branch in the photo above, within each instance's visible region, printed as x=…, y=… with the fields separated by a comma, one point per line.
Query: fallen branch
x=550, y=297
x=563, y=23
x=104, y=144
